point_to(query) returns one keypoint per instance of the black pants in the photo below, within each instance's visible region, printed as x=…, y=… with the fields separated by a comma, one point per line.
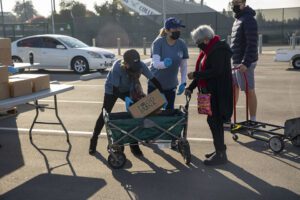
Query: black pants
x=108, y=104
x=215, y=123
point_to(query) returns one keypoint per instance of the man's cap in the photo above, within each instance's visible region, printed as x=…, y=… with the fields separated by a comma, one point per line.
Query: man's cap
x=132, y=58
x=172, y=22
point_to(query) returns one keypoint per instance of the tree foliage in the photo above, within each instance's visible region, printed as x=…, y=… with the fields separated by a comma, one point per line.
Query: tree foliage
x=75, y=8
x=25, y=10
x=114, y=9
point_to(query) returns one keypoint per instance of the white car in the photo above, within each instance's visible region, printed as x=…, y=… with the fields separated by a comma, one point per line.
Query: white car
x=61, y=52
x=289, y=55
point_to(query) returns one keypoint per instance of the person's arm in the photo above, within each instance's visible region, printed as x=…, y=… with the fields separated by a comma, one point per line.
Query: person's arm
x=116, y=81
x=156, y=84
x=217, y=67
x=157, y=63
x=251, y=35
x=156, y=50
x=183, y=71
x=193, y=85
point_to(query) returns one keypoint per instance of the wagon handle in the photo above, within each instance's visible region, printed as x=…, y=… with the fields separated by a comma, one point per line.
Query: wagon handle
x=188, y=99
x=105, y=115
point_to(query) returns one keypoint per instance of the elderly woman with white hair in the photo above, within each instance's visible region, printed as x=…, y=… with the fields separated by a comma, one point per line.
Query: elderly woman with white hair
x=212, y=76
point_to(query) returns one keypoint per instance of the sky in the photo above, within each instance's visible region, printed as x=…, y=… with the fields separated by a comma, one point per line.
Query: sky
x=44, y=6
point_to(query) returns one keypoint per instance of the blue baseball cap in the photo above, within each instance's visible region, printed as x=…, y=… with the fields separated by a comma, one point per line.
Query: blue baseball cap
x=172, y=22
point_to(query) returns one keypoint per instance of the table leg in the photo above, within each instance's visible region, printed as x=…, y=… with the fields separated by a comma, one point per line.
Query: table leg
x=36, y=104
x=60, y=121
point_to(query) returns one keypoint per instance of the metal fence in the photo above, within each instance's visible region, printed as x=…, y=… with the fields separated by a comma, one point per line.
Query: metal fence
x=17, y=31
x=276, y=26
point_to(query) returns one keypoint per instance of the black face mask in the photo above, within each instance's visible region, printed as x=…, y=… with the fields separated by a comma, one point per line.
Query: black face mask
x=236, y=9
x=202, y=46
x=175, y=35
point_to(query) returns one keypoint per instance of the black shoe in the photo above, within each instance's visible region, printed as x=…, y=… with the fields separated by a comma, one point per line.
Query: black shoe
x=219, y=158
x=209, y=154
x=93, y=145
x=135, y=149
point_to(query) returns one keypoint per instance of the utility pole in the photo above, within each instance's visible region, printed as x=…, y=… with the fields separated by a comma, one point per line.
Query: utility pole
x=54, y=7
x=2, y=16
x=25, y=12
x=202, y=2
x=164, y=11
x=52, y=16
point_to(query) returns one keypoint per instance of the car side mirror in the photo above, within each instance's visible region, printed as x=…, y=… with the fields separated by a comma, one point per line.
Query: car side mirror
x=60, y=46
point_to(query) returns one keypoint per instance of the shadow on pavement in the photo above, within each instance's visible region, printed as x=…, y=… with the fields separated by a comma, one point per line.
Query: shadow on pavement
x=293, y=70
x=194, y=182
x=54, y=186
x=290, y=152
x=60, y=75
x=68, y=152
x=11, y=157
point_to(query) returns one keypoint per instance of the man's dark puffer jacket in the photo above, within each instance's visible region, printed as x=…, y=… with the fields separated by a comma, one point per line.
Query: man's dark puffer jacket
x=244, y=38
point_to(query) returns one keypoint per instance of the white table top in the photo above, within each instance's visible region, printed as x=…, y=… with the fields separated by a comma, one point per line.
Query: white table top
x=25, y=65
x=54, y=89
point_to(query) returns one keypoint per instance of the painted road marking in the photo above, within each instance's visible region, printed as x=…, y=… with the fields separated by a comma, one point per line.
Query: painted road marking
x=101, y=102
x=61, y=132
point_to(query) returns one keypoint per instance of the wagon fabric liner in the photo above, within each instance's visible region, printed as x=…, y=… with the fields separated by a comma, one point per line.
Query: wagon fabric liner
x=174, y=121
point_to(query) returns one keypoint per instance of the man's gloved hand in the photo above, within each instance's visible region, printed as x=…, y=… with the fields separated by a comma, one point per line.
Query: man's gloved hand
x=188, y=92
x=181, y=88
x=168, y=62
x=12, y=70
x=128, y=102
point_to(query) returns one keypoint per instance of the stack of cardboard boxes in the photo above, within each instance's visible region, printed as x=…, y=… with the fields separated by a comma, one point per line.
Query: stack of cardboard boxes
x=5, y=51
x=21, y=84
x=4, y=87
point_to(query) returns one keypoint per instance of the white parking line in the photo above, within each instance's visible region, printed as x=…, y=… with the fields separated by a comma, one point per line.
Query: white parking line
x=101, y=102
x=60, y=132
x=88, y=85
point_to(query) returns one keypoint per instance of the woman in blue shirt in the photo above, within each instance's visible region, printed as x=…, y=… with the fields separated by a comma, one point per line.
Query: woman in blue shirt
x=169, y=55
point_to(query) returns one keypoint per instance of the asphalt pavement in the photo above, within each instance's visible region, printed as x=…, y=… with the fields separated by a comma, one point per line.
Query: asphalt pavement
x=51, y=168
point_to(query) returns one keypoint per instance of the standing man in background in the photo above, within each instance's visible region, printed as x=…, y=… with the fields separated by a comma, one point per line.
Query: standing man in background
x=244, y=42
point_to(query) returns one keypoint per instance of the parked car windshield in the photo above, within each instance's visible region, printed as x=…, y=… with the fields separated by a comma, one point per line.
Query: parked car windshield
x=72, y=42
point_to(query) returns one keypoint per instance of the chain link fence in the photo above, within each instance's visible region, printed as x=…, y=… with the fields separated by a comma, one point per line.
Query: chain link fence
x=17, y=31
x=276, y=26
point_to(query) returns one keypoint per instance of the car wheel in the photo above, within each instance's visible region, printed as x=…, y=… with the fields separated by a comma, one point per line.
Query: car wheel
x=296, y=63
x=17, y=59
x=80, y=65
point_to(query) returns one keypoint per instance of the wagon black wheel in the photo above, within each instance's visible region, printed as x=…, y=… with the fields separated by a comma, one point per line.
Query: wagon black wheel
x=235, y=137
x=276, y=144
x=118, y=161
x=296, y=141
x=116, y=148
x=184, y=149
x=180, y=147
